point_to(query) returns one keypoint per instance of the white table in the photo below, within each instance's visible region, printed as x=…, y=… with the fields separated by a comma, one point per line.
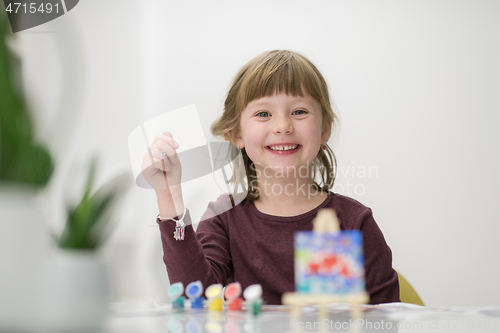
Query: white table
x=276, y=320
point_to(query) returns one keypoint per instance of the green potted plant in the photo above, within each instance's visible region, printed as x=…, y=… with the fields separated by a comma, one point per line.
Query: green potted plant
x=76, y=295
x=79, y=291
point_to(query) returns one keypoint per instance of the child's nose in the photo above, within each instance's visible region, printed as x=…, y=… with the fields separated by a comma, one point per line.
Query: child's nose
x=283, y=125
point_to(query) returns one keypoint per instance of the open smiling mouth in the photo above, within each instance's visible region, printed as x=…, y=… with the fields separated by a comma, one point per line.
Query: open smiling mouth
x=284, y=148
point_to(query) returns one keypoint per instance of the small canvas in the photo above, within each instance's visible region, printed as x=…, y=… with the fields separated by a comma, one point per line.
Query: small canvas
x=329, y=263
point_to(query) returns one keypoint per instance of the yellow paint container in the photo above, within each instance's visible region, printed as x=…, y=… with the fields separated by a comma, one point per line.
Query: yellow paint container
x=216, y=304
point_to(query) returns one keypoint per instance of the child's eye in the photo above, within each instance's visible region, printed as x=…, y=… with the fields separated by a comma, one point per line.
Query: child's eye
x=263, y=114
x=299, y=112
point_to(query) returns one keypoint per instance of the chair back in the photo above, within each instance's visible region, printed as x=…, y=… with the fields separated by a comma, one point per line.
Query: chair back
x=407, y=293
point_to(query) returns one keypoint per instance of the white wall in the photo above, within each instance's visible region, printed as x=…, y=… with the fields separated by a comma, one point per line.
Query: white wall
x=416, y=84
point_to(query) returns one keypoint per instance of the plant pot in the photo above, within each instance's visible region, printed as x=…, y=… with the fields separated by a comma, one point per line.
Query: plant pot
x=23, y=252
x=78, y=292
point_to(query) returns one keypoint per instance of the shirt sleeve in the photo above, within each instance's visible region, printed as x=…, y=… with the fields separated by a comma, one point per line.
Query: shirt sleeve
x=203, y=255
x=381, y=279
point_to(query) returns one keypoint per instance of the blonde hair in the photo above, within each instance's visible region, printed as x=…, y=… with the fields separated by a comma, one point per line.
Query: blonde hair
x=276, y=72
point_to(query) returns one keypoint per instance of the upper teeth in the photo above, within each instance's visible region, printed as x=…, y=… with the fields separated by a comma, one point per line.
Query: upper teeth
x=283, y=147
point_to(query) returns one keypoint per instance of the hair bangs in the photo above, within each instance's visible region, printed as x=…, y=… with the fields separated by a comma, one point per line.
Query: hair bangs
x=281, y=72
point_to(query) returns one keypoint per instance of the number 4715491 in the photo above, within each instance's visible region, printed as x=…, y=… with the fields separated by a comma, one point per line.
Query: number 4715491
x=43, y=8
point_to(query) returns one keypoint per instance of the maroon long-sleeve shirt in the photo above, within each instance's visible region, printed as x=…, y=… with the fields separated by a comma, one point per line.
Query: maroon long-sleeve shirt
x=245, y=245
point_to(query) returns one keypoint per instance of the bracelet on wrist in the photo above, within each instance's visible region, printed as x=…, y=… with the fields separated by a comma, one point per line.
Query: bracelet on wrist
x=180, y=226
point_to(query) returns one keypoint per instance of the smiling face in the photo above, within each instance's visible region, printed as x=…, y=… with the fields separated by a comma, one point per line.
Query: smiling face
x=277, y=77
x=282, y=132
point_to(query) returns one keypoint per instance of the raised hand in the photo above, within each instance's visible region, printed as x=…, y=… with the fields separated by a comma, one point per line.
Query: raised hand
x=161, y=166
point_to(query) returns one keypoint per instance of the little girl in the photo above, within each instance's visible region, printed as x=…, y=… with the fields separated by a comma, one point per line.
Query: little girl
x=278, y=114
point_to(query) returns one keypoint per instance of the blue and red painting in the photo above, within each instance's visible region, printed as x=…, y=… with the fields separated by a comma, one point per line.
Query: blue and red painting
x=329, y=263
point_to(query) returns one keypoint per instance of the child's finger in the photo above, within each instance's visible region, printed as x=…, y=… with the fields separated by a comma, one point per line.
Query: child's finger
x=171, y=153
x=169, y=135
x=161, y=162
x=165, y=147
x=155, y=159
x=163, y=137
x=170, y=141
x=166, y=139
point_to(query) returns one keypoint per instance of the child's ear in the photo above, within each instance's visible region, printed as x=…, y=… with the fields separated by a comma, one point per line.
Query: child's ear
x=235, y=137
x=327, y=131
